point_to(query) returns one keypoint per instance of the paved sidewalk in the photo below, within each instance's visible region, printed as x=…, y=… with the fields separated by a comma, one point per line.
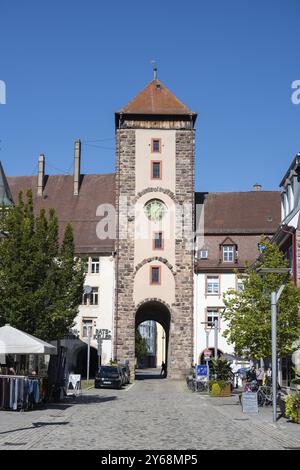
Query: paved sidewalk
x=151, y=414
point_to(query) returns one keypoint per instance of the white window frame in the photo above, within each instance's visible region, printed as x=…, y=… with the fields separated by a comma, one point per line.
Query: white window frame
x=88, y=323
x=228, y=250
x=89, y=299
x=214, y=313
x=212, y=284
x=95, y=264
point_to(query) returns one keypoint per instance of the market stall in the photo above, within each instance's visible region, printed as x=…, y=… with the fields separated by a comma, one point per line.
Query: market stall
x=20, y=391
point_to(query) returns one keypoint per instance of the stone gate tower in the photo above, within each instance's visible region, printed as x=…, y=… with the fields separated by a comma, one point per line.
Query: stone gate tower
x=155, y=221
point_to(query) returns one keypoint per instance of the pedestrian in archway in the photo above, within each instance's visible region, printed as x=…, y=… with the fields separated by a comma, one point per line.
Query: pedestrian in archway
x=163, y=371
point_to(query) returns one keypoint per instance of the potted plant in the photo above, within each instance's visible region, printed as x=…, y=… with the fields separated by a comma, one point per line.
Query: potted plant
x=292, y=407
x=221, y=378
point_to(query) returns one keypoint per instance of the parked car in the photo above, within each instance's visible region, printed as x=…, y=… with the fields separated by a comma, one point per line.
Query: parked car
x=109, y=377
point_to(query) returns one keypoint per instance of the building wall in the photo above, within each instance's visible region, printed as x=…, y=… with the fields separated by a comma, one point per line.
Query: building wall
x=144, y=229
x=202, y=302
x=160, y=345
x=101, y=314
x=144, y=156
x=135, y=254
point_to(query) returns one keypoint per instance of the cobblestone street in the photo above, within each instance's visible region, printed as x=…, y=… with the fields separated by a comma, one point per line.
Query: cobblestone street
x=151, y=414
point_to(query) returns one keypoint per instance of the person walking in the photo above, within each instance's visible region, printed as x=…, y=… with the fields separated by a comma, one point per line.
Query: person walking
x=163, y=371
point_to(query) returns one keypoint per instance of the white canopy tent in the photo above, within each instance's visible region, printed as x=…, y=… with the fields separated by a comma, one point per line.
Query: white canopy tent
x=13, y=341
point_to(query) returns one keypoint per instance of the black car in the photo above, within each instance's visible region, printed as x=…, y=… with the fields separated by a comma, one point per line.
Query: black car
x=109, y=377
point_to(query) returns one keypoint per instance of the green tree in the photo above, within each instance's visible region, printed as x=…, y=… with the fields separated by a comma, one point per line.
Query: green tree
x=41, y=283
x=141, y=346
x=248, y=313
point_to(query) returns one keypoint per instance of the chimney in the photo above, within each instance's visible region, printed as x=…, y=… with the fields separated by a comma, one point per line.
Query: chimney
x=257, y=187
x=77, y=159
x=41, y=175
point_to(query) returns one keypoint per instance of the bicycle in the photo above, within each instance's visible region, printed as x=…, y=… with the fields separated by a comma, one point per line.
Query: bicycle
x=190, y=383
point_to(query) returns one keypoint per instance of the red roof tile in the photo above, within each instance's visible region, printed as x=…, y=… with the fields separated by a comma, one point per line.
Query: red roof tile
x=155, y=98
x=80, y=210
x=240, y=212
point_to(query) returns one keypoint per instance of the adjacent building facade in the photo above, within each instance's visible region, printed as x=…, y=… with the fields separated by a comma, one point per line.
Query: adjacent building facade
x=230, y=227
x=288, y=239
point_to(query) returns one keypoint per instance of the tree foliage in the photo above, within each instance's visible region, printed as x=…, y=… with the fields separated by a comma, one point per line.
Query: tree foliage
x=41, y=282
x=248, y=313
x=141, y=346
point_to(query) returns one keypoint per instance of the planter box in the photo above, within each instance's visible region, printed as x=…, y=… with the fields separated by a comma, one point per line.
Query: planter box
x=222, y=392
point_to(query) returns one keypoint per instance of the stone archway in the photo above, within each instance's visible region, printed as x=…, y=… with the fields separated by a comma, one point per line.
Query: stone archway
x=158, y=311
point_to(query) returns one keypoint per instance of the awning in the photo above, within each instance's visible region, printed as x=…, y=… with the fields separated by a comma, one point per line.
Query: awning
x=13, y=341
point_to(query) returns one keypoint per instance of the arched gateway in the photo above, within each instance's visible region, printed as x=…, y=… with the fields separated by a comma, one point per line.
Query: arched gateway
x=155, y=223
x=153, y=309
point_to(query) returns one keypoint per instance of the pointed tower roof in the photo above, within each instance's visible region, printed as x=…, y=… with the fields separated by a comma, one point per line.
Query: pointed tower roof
x=156, y=99
x=5, y=194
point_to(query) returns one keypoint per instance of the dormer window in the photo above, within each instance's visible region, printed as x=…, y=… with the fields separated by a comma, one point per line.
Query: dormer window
x=203, y=254
x=228, y=253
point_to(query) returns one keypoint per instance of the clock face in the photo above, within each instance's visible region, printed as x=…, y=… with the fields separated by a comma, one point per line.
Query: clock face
x=155, y=209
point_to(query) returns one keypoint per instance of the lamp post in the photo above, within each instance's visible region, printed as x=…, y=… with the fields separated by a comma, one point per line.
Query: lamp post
x=216, y=323
x=89, y=333
x=275, y=296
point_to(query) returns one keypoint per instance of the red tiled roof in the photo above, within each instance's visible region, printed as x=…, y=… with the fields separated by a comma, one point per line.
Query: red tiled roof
x=80, y=210
x=240, y=212
x=155, y=98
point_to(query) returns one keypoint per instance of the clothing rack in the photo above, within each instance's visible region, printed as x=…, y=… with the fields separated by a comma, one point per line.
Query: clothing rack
x=19, y=392
x=11, y=376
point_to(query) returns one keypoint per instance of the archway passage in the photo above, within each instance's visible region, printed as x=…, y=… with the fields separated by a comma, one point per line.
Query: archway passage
x=155, y=311
x=81, y=362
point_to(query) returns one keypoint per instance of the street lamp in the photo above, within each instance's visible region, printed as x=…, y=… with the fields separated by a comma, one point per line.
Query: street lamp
x=275, y=296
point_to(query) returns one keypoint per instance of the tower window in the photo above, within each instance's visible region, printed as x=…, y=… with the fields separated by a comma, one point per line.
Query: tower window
x=156, y=145
x=156, y=170
x=158, y=241
x=155, y=277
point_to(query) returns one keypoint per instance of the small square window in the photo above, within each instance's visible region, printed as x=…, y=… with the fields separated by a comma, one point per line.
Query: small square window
x=156, y=145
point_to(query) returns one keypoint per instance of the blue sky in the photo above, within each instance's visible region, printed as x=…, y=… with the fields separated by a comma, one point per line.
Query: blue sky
x=69, y=65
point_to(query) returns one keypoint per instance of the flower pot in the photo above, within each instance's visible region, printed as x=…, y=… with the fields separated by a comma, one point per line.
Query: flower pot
x=220, y=391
